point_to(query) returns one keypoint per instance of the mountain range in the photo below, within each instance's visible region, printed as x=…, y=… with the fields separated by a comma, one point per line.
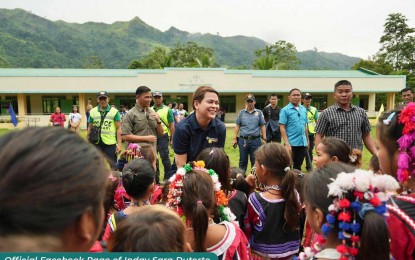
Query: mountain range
x=31, y=41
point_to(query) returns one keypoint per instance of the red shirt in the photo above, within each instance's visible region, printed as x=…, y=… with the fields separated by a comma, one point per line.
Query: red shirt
x=58, y=119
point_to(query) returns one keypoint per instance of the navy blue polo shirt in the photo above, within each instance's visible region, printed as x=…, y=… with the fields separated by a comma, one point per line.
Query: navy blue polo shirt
x=190, y=139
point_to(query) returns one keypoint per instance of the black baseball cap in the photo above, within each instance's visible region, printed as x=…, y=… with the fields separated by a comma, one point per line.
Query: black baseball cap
x=102, y=94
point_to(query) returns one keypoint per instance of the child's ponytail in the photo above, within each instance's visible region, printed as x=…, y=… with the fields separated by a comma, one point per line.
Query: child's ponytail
x=292, y=205
x=374, y=242
x=200, y=225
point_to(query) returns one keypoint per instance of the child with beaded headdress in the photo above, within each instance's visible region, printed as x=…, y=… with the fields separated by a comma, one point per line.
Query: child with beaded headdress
x=396, y=153
x=272, y=221
x=216, y=159
x=195, y=194
x=348, y=211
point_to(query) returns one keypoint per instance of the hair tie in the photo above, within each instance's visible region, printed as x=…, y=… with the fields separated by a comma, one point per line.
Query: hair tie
x=389, y=119
x=353, y=158
x=366, y=207
x=199, y=202
x=286, y=169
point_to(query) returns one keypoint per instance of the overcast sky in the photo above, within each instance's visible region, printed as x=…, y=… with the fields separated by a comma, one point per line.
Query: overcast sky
x=351, y=27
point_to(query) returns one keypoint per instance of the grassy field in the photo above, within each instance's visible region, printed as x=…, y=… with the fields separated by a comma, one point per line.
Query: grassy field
x=234, y=153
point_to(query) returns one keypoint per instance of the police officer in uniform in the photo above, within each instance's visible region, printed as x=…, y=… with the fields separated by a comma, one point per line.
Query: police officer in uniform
x=250, y=126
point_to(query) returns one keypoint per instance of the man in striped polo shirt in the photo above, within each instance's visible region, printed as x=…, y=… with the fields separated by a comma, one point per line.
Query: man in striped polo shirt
x=345, y=120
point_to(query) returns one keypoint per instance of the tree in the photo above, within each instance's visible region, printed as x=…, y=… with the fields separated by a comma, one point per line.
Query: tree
x=159, y=58
x=93, y=62
x=376, y=63
x=187, y=55
x=281, y=56
x=397, y=42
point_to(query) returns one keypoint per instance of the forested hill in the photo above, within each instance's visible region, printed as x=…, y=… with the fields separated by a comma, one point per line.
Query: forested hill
x=28, y=40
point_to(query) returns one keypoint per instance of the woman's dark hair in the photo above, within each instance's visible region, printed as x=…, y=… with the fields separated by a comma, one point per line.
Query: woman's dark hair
x=76, y=108
x=137, y=176
x=336, y=147
x=217, y=160
x=238, y=181
x=200, y=93
x=276, y=158
x=49, y=177
x=141, y=232
x=374, y=242
x=198, y=199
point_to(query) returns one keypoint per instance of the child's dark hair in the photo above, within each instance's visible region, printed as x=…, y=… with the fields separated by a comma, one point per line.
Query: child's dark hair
x=299, y=176
x=49, y=178
x=112, y=184
x=238, y=181
x=198, y=199
x=148, y=152
x=339, y=148
x=137, y=176
x=276, y=158
x=391, y=131
x=374, y=243
x=217, y=160
x=374, y=164
x=140, y=232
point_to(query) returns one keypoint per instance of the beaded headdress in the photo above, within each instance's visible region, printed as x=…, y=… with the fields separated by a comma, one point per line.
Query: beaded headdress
x=174, y=197
x=406, y=156
x=355, y=194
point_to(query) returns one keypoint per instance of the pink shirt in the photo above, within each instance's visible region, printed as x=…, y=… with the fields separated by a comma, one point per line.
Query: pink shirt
x=58, y=119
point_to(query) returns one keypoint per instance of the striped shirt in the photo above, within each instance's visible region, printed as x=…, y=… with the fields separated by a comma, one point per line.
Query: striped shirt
x=350, y=126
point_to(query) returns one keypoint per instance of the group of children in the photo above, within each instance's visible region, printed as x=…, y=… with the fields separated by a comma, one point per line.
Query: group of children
x=55, y=194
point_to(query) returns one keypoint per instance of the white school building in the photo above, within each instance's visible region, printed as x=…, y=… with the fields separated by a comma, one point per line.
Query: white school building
x=34, y=93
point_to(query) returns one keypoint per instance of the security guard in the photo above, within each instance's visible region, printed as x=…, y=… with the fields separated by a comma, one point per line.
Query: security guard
x=167, y=120
x=312, y=115
x=108, y=120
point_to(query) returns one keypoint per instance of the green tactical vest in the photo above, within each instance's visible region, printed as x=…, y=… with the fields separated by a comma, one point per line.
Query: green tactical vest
x=108, y=129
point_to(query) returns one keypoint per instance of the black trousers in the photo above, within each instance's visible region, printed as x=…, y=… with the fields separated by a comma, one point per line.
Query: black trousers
x=298, y=155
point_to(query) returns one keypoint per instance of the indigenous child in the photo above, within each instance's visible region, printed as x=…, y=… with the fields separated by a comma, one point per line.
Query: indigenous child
x=50, y=200
x=396, y=152
x=238, y=181
x=333, y=149
x=194, y=194
x=110, y=206
x=138, y=179
x=272, y=222
x=348, y=211
x=133, y=151
x=217, y=160
x=143, y=231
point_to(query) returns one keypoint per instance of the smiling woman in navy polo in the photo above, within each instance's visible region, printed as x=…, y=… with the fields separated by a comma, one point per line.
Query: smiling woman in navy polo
x=200, y=129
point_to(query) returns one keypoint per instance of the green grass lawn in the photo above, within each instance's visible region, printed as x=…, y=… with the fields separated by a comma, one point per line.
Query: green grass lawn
x=234, y=153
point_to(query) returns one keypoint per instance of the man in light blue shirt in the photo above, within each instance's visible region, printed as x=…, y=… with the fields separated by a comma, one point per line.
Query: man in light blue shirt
x=293, y=128
x=250, y=125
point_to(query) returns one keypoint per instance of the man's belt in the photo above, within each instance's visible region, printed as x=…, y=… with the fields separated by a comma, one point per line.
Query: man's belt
x=250, y=137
